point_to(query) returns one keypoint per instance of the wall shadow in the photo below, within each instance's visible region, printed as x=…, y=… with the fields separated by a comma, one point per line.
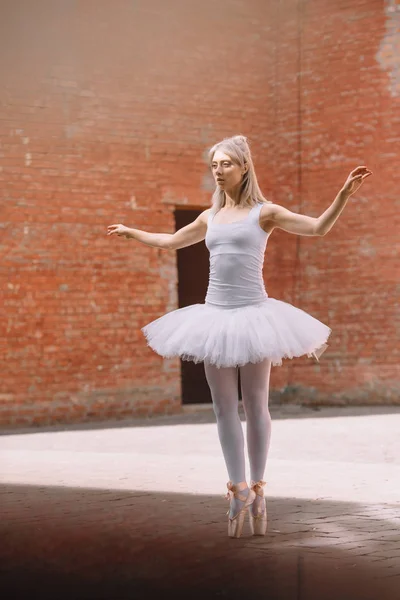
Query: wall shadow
x=70, y=543
x=198, y=414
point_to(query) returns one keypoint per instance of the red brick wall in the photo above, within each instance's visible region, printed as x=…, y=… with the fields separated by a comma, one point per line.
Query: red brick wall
x=349, y=106
x=106, y=113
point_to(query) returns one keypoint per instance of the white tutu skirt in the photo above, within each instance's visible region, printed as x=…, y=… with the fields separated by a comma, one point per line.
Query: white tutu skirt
x=231, y=337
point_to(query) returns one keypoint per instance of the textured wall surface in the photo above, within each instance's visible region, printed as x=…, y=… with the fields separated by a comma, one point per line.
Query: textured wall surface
x=106, y=114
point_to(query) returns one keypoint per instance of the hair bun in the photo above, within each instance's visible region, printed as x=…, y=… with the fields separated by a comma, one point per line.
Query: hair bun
x=239, y=139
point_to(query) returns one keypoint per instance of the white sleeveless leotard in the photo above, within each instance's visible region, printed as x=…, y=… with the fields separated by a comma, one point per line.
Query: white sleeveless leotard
x=236, y=261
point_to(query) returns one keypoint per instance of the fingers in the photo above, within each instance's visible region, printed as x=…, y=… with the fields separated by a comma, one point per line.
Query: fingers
x=355, y=178
x=111, y=229
x=360, y=177
x=116, y=229
x=360, y=171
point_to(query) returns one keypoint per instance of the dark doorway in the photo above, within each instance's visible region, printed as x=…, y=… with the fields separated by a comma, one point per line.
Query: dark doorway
x=193, y=267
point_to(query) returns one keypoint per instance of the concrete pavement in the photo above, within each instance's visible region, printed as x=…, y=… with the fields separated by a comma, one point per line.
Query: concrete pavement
x=136, y=509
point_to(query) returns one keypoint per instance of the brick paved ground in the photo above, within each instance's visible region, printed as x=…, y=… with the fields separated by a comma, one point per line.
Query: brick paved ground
x=136, y=510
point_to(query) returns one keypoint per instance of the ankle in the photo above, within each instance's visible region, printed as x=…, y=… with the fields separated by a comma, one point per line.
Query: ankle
x=238, y=494
x=237, y=487
x=258, y=487
x=258, y=507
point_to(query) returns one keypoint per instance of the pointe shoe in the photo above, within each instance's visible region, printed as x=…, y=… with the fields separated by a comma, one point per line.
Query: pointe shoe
x=258, y=521
x=235, y=524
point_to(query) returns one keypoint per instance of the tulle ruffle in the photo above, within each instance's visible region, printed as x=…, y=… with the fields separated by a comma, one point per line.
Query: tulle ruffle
x=228, y=337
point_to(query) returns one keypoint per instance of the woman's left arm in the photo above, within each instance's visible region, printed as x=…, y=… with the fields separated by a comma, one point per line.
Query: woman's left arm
x=317, y=226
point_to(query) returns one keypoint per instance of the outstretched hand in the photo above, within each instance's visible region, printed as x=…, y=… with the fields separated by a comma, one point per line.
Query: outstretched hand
x=117, y=229
x=355, y=179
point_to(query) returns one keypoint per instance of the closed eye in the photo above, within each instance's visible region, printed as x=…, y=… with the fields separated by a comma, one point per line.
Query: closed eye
x=225, y=164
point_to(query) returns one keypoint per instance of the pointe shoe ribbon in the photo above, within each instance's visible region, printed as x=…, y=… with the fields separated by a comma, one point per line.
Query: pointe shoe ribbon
x=234, y=492
x=235, y=523
x=258, y=521
x=258, y=488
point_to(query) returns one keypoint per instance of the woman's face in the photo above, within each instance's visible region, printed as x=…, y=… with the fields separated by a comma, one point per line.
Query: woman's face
x=226, y=173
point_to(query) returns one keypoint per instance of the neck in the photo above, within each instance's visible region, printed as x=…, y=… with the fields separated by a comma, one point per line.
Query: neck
x=232, y=197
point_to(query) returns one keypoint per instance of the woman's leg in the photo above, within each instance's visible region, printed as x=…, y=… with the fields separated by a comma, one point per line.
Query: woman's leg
x=223, y=384
x=254, y=379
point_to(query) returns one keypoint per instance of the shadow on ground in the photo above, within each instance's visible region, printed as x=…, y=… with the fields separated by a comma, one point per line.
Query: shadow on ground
x=78, y=544
x=204, y=413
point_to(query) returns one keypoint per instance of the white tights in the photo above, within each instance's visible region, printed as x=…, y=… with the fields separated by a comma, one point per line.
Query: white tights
x=223, y=384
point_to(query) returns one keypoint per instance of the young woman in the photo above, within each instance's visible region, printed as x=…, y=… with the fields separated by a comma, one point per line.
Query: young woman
x=239, y=326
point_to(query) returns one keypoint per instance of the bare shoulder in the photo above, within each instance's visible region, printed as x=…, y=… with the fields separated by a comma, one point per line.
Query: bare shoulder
x=267, y=212
x=203, y=216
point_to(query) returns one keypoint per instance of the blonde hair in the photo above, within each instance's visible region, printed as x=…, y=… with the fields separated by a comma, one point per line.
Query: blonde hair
x=237, y=148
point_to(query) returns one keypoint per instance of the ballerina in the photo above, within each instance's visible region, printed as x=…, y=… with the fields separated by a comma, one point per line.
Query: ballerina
x=239, y=327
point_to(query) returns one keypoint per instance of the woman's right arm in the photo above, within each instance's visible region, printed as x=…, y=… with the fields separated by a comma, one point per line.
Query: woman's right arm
x=187, y=236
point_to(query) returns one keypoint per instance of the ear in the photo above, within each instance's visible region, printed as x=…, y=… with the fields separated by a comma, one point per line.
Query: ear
x=245, y=168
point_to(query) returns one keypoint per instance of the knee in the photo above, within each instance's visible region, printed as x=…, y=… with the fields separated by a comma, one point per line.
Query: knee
x=259, y=419
x=256, y=406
